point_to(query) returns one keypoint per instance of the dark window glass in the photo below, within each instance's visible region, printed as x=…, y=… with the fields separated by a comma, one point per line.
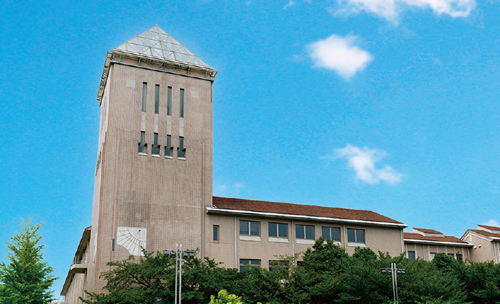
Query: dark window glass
x=411, y=255
x=336, y=234
x=144, y=94
x=181, y=103
x=325, y=233
x=216, y=233
x=254, y=228
x=351, y=235
x=168, y=147
x=112, y=244
x=274, y=265
x=169, y=101
x=157, y=98
x=273, y=229
x=283, y=230
x=299, y=231
x=142, y=144
x=310, y=232
x=156, y=148
x=244, y=228
x=180, y=151
x=360, y=236
x=246, y=262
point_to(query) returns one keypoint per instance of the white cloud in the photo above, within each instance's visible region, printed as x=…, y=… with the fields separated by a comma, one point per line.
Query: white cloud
x=340, y=55
x=492, y=223
x=290, y=4
x=390, y=9
x=363, y=161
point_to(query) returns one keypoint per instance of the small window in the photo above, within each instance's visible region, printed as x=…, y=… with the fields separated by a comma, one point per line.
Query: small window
x=144, y=95
x=433, y=254
x=142, y=144
x=112, y=244
x=156, y=147
x=181, y=104
x=169, y=101
x=181, y=152
x=278, y=230
x=355, y=235
x=157, y=98
x=216, y=233
x=411, y=255
x=168, y=147
x=247, y=262
x=304, y=232
x=276, y=264
x=249, y=228
x=330, y=233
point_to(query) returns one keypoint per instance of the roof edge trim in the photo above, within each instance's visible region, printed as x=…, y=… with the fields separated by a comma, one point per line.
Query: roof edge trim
x=438, y=242
x=212, y=209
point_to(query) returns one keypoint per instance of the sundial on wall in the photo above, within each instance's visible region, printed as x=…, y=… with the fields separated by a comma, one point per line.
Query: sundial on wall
x=132, y=238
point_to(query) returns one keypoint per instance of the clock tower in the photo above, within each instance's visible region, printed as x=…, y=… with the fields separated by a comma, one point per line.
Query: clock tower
x=153, y=176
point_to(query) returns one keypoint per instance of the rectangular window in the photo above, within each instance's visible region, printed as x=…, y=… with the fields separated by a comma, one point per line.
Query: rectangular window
x=247, y=262
x=216, y=233
x=169, y=101
x=355, y=235
x=304, y=232
x=330, y=233
x=168, y=147
x=249, y=228
x=278, y=230
x=144, y=95
x=156, y=148
x=181, y=152
x=411, y=255
x=275, y=264
x=142, y=144
x=112, y=244
x=433, y=254
x=157, y=98
x=181, y=104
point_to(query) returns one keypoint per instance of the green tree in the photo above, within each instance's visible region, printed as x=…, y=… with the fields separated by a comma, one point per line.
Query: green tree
x=224, y=298
x=27, y=277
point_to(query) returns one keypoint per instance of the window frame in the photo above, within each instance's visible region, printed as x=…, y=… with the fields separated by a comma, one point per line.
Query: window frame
x=181, y=151
x=143, y=144
x=251, y=262
x=144, y=96
x=408, y=255
x=168, y=147
x=155, y=149
x=216, y=233
x=157, y=98
x=356, y=236
x=304, y=231
x=249, y=227
x=278, y=235
x=330, y=233
x=181, y=103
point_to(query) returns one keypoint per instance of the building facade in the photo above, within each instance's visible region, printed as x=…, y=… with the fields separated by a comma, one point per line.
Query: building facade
x=153, y=180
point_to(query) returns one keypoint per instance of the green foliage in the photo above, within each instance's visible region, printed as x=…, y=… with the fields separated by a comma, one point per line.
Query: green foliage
x=224, y=298
x=27, y=277
x=327, y=274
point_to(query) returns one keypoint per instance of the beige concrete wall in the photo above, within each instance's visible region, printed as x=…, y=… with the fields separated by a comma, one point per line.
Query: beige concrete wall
x=75, y=290
x=232, y=247
x=483, y=250
x=423, y=251
x=164, y=195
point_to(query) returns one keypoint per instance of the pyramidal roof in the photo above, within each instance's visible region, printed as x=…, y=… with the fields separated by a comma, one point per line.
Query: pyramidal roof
x=157, y=44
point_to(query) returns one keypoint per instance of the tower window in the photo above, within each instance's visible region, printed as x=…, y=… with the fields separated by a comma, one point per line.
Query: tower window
x=181, y=104
x=216, y=233
x=169, y=101
x=144, y=95
x=181, y=151
x=142, y=144
x=156, y=148
x=157, y=98
x=168, y=147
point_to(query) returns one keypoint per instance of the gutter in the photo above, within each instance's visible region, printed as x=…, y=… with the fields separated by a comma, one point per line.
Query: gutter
x=215, y=210
x=429, y=242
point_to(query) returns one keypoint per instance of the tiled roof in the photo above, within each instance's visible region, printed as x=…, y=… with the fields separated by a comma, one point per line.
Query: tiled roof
x=296, y=209
x=445, y=238
x=428, y=231
x=490, y=227
x=485, y=233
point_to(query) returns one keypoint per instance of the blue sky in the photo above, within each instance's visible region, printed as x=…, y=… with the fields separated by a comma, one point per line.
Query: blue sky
x=385, y=105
